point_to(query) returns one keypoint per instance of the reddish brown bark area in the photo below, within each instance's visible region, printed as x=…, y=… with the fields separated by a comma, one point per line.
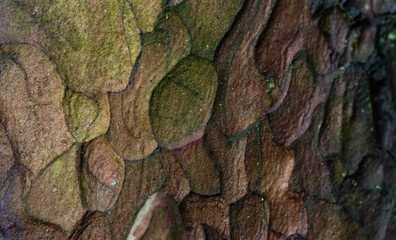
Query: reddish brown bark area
x=198, y=119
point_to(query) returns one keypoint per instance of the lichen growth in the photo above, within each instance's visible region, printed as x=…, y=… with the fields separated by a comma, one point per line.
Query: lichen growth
x=93, y=43
x=192, y=84
x=146, y=13
x=207, y=21
x=80, y=112
x=86, y=118
x=180, y=40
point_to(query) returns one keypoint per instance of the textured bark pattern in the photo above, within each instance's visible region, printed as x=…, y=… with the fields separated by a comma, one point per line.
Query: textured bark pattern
x=198, y=119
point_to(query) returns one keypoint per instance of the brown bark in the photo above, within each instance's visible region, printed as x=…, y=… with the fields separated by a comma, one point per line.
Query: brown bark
x=198, y=119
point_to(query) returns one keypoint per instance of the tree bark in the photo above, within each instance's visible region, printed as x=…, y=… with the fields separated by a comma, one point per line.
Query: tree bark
x=198, y=119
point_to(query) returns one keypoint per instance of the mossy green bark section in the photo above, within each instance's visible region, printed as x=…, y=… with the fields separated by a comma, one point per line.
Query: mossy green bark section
x=55, y=195
x=132, y=33
x=146, y=13
x=102, y=121
x=86, y=118
x=207, y=22
x=80, y=112
x=181, y=104
x=93, y=43
x=177, y=33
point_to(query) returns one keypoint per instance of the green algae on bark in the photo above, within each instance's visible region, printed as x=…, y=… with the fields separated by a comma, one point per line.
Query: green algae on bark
x=180, y=40
x=55, y=195
x=93, y=43
x=31, y=110
x=86, y=118
x=146, y=13
x=207, y=22
x=181, y=103
x=80, y=112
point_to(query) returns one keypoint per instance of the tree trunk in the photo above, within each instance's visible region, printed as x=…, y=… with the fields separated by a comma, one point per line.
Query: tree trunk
x=197, y=119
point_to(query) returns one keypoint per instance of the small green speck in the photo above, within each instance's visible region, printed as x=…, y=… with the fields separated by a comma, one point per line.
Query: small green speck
x=262, y=199
x=342, y=68
x=166, y=16
x=113, y=183
x=54, y=190
x=354, y=183
x=378, y=187
x=31, y=104
x=392, y=36
x=271, y=85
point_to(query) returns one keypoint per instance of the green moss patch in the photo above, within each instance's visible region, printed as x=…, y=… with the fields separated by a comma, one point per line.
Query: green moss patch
x=181, y=104
x=93, y=43
x=86, y=118
x=208, y=21
x=146, y=13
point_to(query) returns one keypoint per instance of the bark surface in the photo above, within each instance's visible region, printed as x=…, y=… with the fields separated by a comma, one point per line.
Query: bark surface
x=198, y=119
